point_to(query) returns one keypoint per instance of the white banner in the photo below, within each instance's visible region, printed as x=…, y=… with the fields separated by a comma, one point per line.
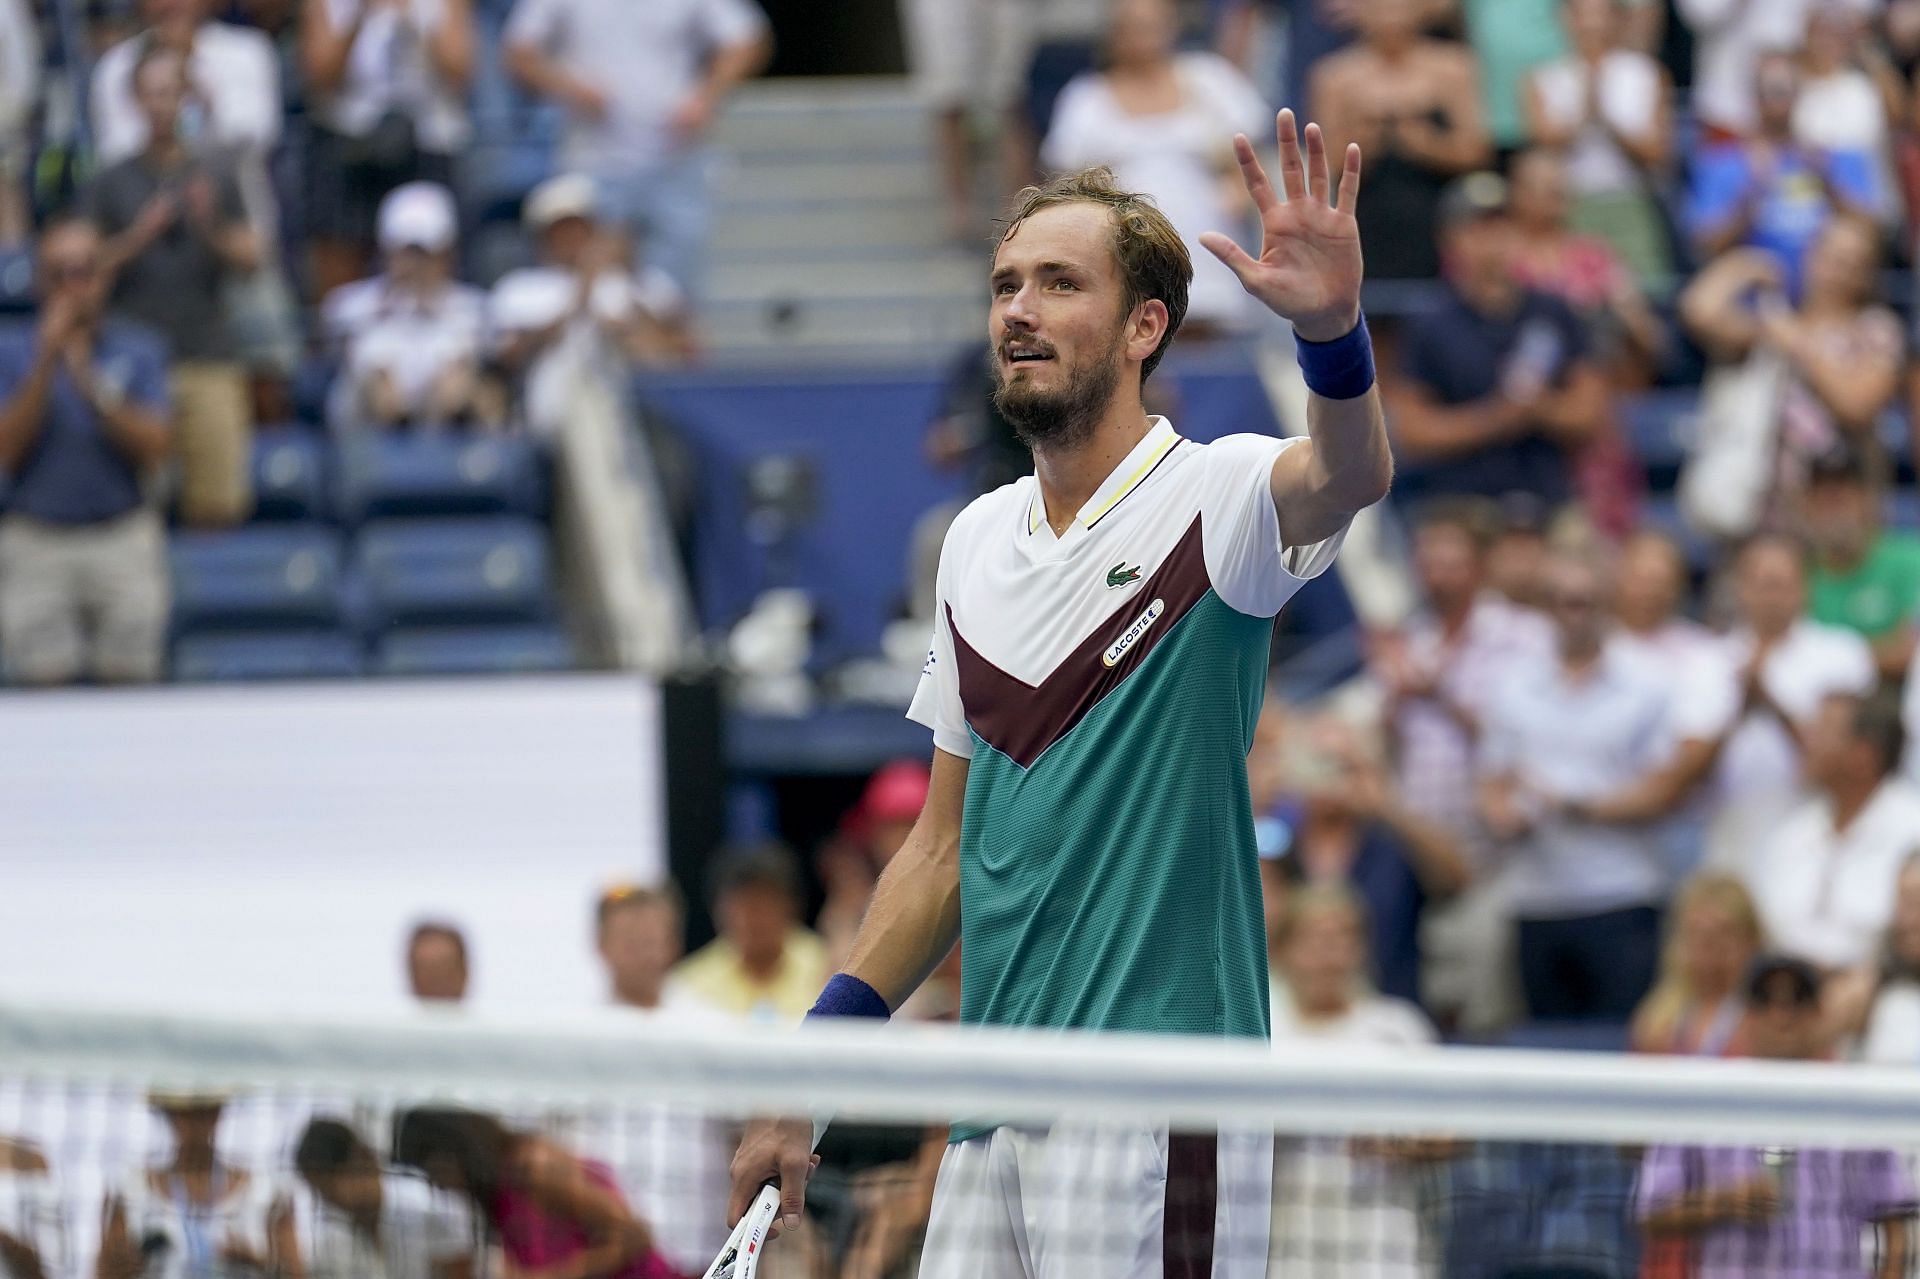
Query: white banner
x=235, y=844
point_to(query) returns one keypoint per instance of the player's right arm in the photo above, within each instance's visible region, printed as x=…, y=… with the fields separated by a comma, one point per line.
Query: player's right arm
x=910, y=926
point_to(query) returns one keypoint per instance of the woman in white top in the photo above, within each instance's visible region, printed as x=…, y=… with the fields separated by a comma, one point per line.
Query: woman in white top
x=1163, y=121
x=388, y=84
x=1342, y=1209
x=196, y=1216
x=1610, y=109
x=1850, y=95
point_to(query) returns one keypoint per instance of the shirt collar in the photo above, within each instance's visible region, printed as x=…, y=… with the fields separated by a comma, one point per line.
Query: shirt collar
x=1122, y=480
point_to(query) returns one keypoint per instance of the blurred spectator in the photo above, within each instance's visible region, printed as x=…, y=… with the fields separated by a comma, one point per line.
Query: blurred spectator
x=580, y=309
x=1865, y=578
x=671, y=1162
x=641, y=85
x=1498, y=389
x=1440, y=678
x=1893, y=1021
x=411, y=338
x=1342, y=1208
x=233, y=110
x=1778, y=1211
x=1698, y=1007
x=1567, y=728
x=1413, y=105
x=851, y=863
x=1510, y=38
x=1851, y=96
x=1729, y=38
x=19, y=96
x=1609, y=108
x=387, y=88
x=1770, y=191
x=1163, y=121
x=83, y=420
x=376, y=1225
x=1792, y=384
x=763, y=964
x=1649, y=593
x=1347, y=826
x=548, y=1210
x=175, y=232
x=437, y=963
x=196, y=1214
x=1518, y=553
x=1825, y=878
x=30, y=1213
x=969, y=60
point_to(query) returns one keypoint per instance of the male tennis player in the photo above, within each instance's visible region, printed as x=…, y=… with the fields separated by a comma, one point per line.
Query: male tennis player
x=1098, y=662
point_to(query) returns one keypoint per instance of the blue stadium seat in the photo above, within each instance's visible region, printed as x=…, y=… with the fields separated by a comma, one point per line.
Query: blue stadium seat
x=247, y=655
x=474, y=650
x=1654, y=423
x=289, y=476
x=447, y=572
x=378, y=474
x=263, y=576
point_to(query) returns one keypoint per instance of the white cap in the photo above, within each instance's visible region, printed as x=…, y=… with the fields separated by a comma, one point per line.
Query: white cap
x=418, y=215
x=570, y=195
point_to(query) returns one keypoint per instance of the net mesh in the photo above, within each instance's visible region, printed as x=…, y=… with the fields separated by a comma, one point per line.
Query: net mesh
x=1099, y=1155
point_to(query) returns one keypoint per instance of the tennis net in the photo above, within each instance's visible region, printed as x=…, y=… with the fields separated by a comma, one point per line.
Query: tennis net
x=1101, y=1155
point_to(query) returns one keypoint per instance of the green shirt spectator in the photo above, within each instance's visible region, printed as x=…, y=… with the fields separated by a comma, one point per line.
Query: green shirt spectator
x=1878, y=594
x=1511, y=38
x=1865, y=578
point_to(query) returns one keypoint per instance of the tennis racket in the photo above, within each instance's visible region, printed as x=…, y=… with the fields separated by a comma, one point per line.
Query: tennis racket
x=740, y=1259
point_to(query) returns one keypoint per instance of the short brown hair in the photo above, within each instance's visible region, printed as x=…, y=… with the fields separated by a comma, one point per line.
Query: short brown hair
x=1153, y=259
x=620, y=896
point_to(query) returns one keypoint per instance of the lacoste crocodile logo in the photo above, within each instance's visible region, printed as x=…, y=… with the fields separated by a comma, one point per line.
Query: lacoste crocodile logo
x=1121, y=575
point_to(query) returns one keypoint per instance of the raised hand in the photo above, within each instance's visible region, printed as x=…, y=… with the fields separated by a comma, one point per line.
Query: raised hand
x=1309, y=267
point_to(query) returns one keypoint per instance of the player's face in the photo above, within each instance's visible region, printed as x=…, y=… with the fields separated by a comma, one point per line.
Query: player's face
x=1059, y=325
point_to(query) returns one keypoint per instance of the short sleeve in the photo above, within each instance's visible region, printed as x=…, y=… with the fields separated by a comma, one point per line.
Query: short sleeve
x=536, y=22
x=936, y=702
x=725, y=22
x=1878, y=1185
x=1249, y=563
x=1856, y=176
x=147, y=383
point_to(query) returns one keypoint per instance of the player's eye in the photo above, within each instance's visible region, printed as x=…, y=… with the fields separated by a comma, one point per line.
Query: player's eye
x=1066, y=284
x=1003, y=289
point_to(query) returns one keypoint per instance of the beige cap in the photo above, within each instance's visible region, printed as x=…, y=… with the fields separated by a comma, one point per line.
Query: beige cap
x=571, y=195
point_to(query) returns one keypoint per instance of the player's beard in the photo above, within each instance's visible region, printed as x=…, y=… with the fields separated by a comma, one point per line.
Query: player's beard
x=1064, y=418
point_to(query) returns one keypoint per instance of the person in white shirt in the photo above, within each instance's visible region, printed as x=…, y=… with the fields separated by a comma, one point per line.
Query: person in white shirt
x=641, y=84
x=1728, y=38
x=234, y=111
x=1568, y=728
x=1610, y=108
x=1160, y=119
x=671, y=1162
x=1650, y=585
x=1825, y=878
x=969, y=60
x=1440, y=675
x=1850, y=94
x=387, y=88
x=19, y=92
x=411, y=339
x=374, y=1225
x=1342, y=1208
x=579, y=312
x=1892, y=1035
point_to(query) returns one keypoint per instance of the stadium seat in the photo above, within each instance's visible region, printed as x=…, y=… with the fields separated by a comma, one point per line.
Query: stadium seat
x=474, y=650
x=1657, y=426
x=448, y=572
x=264, y=576
x=378, y=474
x=289, y=476
x=248, y=655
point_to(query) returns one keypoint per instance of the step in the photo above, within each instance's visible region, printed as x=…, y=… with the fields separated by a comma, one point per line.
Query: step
x=921, y=276
x=880, y=228
x=739, y=322
x=834, y=182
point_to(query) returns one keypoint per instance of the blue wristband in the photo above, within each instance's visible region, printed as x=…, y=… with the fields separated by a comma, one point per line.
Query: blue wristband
x=848, y=996
x=1341, y=369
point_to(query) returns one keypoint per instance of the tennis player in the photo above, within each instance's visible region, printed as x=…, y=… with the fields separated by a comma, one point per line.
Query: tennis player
x=1097, y=666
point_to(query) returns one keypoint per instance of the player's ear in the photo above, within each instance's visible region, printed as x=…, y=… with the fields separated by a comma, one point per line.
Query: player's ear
x=1146, y=328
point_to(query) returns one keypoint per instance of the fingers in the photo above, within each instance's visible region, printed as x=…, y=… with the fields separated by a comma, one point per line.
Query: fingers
x=795, y=1167
x=1292, y=173
x=1317, y=183
x=1349, y=179
x=1255, y=177
x=1235, y=258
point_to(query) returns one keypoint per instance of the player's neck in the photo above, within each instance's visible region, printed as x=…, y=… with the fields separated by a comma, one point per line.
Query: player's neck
x=1071, y=475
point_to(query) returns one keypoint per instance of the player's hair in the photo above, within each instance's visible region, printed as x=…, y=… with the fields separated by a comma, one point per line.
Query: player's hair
x=620, y=897
x=329, y=1146
x=1153, y=259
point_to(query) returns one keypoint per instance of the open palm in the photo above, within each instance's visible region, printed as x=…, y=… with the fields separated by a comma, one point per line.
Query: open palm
x=1309, y=267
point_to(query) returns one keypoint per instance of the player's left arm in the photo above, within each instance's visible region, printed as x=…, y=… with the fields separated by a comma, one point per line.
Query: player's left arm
x=1309, y=273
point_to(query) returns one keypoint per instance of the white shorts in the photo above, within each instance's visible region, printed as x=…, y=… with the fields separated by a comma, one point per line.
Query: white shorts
x=1117, y=1201
x=969, y=53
